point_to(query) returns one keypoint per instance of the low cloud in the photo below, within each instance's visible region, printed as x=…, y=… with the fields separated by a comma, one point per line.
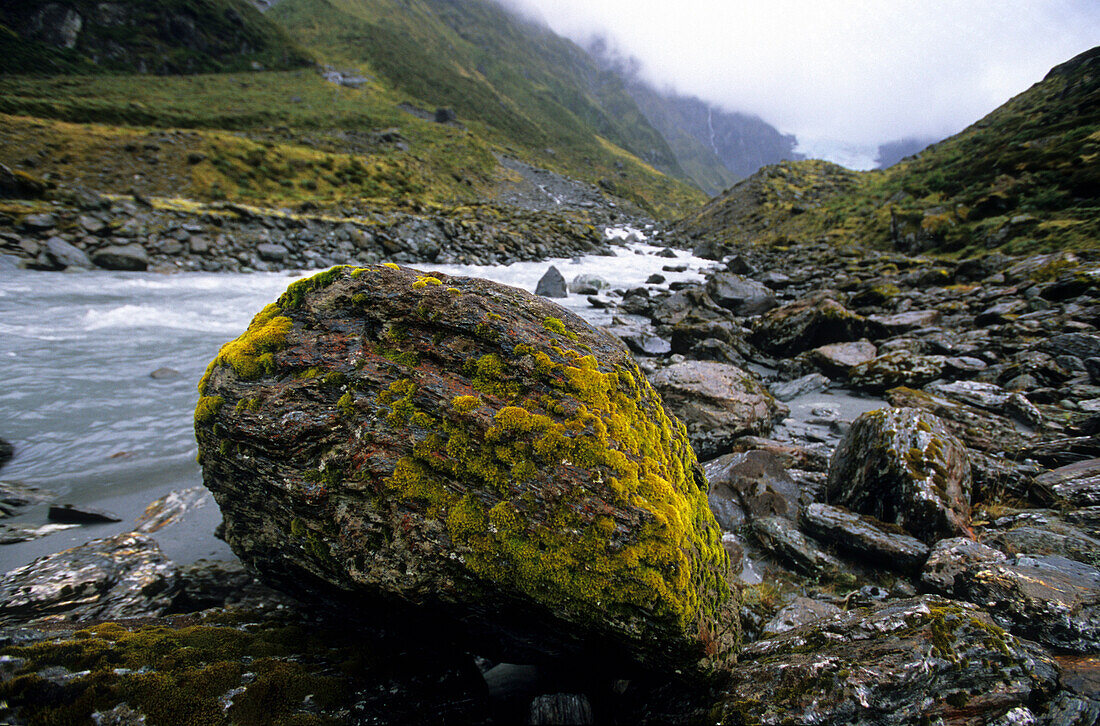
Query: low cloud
x=858, y=71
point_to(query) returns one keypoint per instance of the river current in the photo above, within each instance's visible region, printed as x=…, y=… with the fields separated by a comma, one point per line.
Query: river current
x=89, y=422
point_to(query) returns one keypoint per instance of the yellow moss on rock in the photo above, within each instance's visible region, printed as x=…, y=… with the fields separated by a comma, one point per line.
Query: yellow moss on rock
x=611, y=424
x=250, y=355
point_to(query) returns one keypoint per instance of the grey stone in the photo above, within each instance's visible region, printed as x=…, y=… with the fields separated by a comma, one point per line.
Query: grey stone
x=839, y=357
x=1077, y=483
x=551, y=284
x=951, y=557
x=120, y=577
x=750, y=485
x=270, y=252
x=64, y=254
x=781, y=537
x=740, y=295
x=131, y=257
x=865, y=536
x=790, y=390
x=717, y=402
x=40, y=221
x=801, y=611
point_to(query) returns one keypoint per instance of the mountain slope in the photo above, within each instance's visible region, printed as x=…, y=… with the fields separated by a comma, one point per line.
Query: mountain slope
x=165, y=37
x=1024, y=178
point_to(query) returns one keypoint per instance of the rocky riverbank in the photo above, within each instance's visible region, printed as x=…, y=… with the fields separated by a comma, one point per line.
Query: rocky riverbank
x=77, y=229
x=936, y=559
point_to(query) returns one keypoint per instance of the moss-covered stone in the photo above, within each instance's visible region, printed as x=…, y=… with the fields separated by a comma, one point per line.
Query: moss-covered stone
x=488, y=455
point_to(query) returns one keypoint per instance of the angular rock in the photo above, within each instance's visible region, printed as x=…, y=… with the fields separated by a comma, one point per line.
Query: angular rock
x=977, y=428
x=170, y=508
x=837, y=358
x=740, y=295
x=801, y=611
x=781, y=537
x=63, y=254
x=1047, y=598
x=717, y=402
x=1042, y=532
x=1078, y=483
x=864, y=536
x=1080, y=345
x=805, y=324
x=901, y=662
x=131, y=257
x=899, y=368
x=952, y=557
x=15, y=533
x=125, y=576
x=752, y=484
x=886, y=326
x=688, y=307
x=589, y=284
x=15, y=497
x=470, y=457
x=790, y=390
x=902, y=466
x=551, y=284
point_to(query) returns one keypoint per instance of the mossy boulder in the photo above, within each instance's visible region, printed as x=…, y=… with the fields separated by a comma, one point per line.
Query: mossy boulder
x=902, y=466
x=472, y=456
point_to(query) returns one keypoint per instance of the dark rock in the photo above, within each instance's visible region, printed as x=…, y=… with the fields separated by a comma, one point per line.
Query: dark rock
x=125, y=576
x=977, y=428
x=7, y=451
x=952, y=557
x=63, y=254
x=668, y=253
x=1041, y=532
x=740, y=295
x=886, y=326
x=131, y=257
x=753, y=483
x=865, y=536
x=895, y=663
x=165, y=374
x=1063, y=451
x=1077, y=483
x=1000, y=313
x=780, y=537
x=1047, y=598
x=655, y=279
x=213, y=584
x=645, y=343
x=979, y=268
x=551, y=284
x=1080, y=345
x=459, y=464
x=561, y=709
x=790, y=390
x=801, y=611
x=19, y=185
x=902, y=466
x=688, y=307
x=899, y=368
x=717, y=402
x=805, y=324
x=15, y=497
x=71, y=514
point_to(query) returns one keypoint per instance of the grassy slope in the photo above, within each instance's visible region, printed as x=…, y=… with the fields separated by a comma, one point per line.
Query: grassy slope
x=537, y=95
x=1025, y=178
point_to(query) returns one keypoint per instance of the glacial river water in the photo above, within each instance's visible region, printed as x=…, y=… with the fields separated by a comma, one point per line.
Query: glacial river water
x=89, y=423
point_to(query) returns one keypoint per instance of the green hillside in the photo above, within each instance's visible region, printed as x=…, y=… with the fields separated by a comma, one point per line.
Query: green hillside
x=1024, y=178
x=126, y=36
x=278, y=137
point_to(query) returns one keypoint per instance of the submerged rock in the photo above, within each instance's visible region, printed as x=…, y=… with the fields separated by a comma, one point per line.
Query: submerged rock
x=902, y=466
x=479, y=456
x=718, y=402
x=900, y=662
x=125, y=576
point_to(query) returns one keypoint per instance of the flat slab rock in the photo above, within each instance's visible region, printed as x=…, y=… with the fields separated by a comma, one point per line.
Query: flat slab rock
x=126, y=576
x=865, y=536
x=469, y=457
x=901, y=662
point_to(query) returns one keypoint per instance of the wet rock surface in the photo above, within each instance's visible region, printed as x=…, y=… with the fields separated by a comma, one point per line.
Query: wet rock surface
x=467, y=450
x=894, y=663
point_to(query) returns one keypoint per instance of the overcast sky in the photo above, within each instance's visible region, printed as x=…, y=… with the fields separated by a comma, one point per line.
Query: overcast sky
x=857, y=71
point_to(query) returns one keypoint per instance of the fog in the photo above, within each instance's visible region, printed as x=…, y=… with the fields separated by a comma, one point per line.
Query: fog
x=852, y=73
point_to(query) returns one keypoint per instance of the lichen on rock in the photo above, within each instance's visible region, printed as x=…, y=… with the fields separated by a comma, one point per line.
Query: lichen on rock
x=474, y=451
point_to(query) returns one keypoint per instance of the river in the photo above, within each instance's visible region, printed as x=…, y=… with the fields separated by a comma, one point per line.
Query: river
x=89, y=422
